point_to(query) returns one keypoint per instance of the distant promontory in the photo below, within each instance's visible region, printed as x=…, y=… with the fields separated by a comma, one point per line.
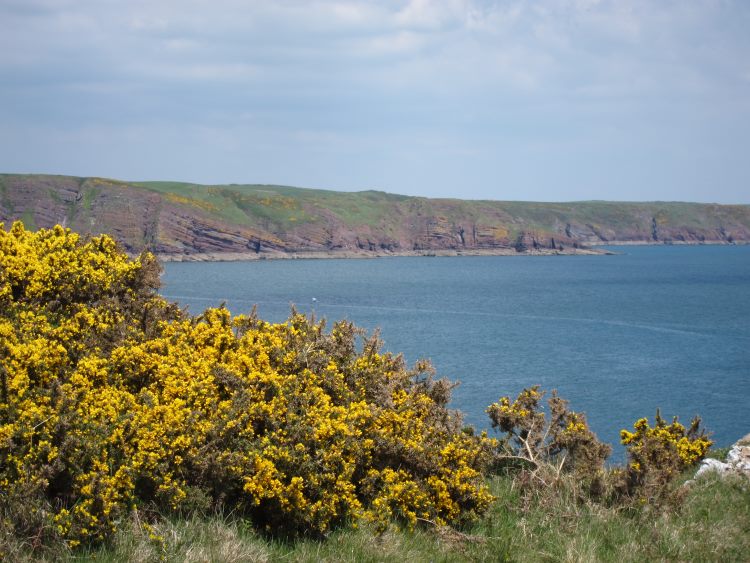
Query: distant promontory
x=181, y=221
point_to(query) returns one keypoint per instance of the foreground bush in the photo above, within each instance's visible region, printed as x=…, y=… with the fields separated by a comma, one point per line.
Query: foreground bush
x=562, y=437
x=111, y=398
x=659, y=454
x=542, y=448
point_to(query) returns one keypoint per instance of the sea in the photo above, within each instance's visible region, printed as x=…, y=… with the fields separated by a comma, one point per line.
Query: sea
x=618, y=336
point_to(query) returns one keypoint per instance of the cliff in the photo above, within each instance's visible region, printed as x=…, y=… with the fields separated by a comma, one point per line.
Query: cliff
x=191, y=221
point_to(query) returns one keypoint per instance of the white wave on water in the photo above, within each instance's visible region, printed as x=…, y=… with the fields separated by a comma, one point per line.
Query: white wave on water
x=484, y=314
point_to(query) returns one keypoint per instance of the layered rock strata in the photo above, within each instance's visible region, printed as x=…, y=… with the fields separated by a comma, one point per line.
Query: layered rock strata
x=192, y=222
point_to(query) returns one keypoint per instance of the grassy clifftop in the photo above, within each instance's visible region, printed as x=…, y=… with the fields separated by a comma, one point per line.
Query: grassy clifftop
x=193, y=220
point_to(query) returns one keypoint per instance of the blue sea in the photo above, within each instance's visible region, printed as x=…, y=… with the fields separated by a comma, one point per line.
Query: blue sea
x=618, y=336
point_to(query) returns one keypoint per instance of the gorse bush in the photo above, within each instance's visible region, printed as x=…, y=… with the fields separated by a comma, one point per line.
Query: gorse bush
x=111, y=398
x=659, y=454
x=116, y=405
x=546, y=446
x=541, y=448
x=563, y=436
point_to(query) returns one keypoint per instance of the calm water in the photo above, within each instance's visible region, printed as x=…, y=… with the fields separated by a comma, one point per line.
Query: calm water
x=618, y=336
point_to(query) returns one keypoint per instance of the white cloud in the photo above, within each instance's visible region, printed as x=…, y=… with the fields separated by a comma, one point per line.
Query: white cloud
x=360, y=74
x=181, y=45
x=397, y=43
x=433, y=14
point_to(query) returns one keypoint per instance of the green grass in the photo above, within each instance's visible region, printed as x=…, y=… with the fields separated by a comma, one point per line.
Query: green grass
x=710, y=523
x=283, y=206
x=214, y=198
x=4, y=199
x=28, y=220
x=88, y=197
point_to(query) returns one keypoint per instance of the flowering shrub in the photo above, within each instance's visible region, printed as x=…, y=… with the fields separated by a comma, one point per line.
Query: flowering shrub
x=658, y=454
x=561, y=440
x=111, y=398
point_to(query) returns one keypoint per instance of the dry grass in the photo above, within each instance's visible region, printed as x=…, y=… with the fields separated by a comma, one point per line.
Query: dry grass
x=711, y=522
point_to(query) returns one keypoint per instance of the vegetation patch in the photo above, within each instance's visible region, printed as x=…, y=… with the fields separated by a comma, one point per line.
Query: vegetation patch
x=130, y=430
x=112, y=399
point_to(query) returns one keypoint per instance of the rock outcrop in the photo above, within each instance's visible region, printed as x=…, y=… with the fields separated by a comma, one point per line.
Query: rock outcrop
x=737, y=463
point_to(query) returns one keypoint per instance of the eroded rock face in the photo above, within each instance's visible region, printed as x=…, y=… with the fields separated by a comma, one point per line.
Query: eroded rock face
x=178, y=231
x=136, y=217
x=266, y=222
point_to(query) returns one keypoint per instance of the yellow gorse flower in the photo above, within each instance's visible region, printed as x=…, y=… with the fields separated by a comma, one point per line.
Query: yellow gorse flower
x=656, y=455
x=110, y=397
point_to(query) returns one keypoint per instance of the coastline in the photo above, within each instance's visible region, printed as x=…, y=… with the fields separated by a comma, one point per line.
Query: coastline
x=349, y=254
x=667, y=243
x=593, y=249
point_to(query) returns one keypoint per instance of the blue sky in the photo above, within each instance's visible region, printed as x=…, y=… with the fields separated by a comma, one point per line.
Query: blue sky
x=553, y=100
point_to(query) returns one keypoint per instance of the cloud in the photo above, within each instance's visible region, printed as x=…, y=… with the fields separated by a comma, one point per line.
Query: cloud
x=433, y=15
x=515, y=44
x=471, y=78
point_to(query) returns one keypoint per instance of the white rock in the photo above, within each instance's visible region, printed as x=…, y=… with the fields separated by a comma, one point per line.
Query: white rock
x=738, y=461
x=739, y=458
x=710, y=464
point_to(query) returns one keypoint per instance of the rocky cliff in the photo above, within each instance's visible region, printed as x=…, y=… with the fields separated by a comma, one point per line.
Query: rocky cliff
x=199, y=222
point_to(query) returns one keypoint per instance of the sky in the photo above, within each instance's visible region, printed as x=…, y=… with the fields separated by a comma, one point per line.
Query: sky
x=554, y=100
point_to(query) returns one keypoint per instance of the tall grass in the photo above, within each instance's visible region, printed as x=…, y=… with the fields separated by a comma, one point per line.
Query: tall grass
x=709, y=522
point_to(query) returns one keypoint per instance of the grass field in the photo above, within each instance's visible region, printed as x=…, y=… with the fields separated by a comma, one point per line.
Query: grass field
x=284, y=205
x=710, y=522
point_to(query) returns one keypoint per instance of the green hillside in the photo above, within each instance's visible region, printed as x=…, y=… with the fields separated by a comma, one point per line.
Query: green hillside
x=184, y=219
